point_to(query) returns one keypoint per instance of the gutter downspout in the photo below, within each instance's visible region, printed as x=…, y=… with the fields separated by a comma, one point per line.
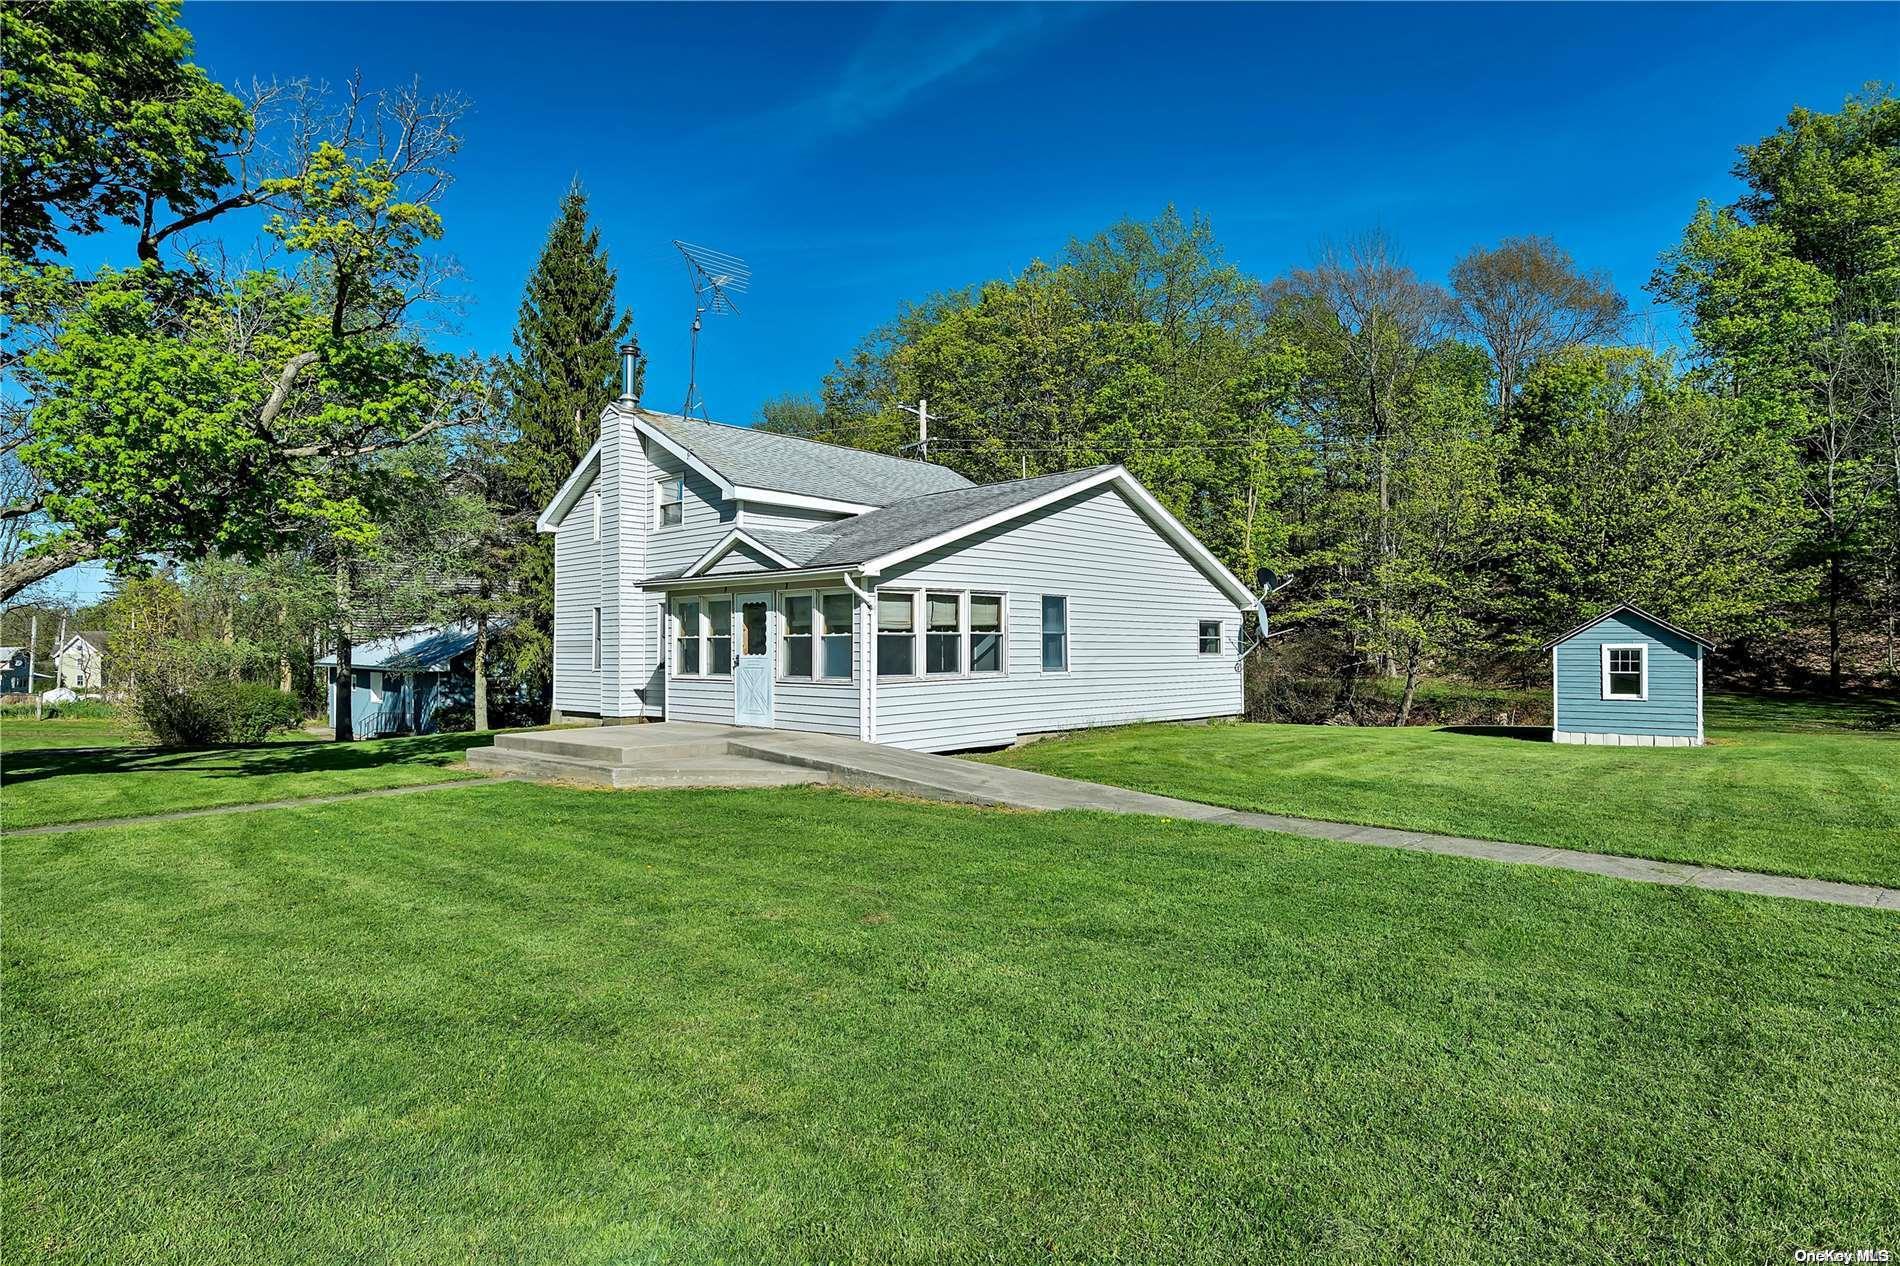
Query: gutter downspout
x=867, y=660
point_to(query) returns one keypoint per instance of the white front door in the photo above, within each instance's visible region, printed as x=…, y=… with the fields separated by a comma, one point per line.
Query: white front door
x=752, y=666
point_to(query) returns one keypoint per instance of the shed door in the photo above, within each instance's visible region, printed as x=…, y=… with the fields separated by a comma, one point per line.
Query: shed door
x=752, y=666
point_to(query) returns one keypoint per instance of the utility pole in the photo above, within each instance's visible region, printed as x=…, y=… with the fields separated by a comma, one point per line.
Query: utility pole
x=32, y=649
x=923, y=425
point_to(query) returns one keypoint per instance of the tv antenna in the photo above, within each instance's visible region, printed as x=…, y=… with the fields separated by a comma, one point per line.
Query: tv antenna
x=716, y=277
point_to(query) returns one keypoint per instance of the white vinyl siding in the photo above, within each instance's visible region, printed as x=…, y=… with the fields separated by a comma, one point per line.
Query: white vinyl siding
x=579, y=583
x=1128, y=591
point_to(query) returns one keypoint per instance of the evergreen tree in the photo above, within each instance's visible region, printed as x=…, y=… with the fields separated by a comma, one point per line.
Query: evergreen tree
x=566, y=366
x=565, y=370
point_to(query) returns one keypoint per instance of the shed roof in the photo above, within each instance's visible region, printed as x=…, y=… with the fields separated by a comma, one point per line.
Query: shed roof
x=1632, y=609
x=425, y=650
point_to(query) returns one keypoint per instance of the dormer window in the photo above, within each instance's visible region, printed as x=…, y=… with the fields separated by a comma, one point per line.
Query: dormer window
x=670, y=499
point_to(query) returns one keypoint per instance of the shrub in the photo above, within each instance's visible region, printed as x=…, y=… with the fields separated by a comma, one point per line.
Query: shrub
x=211, y=713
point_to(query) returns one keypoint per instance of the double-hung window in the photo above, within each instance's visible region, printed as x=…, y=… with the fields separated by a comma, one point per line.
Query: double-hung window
x=719, y=637
x=1055, y=633
x=1209, y=640
x=986, y=633
x=1626, y=672
x=896, y=634
x=943, y=633
x=687, y=662
x=836, y=658
x=795, y=657
x=670, y=501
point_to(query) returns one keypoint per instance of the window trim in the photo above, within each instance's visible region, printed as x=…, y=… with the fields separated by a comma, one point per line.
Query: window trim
x=957, y=634
x=699, y=636
x=660, y=484
x=1068, y=633
x=1643, y=649
x=919, y=620
x=1200, y=636
x=596, y=518
x=596, y=656
x=1002, y=634
x=817, y=635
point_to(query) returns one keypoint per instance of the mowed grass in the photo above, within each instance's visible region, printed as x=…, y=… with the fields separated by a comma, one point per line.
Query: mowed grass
x=1799, y=789
x=519, y=1023
x=48, y=784
x=22, y=732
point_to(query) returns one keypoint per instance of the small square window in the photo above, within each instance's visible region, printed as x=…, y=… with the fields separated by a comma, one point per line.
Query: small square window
x=1210, y=637
x=1623, y=675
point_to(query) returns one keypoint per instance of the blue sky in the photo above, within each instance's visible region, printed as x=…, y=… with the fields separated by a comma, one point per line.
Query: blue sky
x=861, y=156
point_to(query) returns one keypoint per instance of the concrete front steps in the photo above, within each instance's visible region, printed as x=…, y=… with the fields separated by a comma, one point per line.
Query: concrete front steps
x=673, y=754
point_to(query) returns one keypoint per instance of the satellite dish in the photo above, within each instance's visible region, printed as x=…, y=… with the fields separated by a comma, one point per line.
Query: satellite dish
x=18, y=661
x=1267, y=579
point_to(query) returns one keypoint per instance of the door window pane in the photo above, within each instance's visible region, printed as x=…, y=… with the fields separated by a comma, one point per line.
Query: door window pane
x=836, y=610
x=986, y=633
x=796, y=662
x=752, y=622
x=1055, y=633
x=719, y=636
x=896, y=641
x=943, y=628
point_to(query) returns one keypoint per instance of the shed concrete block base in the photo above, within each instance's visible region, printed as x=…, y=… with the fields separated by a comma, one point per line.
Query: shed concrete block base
x=1623, y=740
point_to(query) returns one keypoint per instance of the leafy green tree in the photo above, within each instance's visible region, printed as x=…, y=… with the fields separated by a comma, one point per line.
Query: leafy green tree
x=104, y=119
x=564, y=371
x=791, y=415
x=1629, y=482
x=1794, y=296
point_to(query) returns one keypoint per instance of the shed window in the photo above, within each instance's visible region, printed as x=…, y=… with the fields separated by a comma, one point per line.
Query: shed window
x=896, y=634
x=943, y=629
x=670, y=497
x=837, y=657
x=719, y=636
x=1626, y=672
x=1209, y=641
x=1055, y=633
x=986, y=633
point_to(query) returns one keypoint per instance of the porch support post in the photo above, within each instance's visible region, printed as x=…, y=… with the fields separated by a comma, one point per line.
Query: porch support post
x=867, y=661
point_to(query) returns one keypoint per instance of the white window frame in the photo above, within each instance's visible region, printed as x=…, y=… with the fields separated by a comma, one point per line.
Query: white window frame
x=1220, y=636
x=1640, y=647
x=1068, y=633
x=706, y=601
x=597, y=517
x=958, y=635
x=878, y=635
x=660, y=486
x=698, y=635
x=969, y=634
x=818, y=634
x=596, y=640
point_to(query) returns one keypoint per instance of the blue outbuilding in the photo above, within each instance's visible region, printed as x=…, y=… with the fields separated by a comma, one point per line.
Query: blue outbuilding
x=404, y=684
x=1627, y=678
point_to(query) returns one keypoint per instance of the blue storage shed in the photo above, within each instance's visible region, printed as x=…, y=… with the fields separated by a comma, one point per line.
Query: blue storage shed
x=403, y=684
x=1627, y=678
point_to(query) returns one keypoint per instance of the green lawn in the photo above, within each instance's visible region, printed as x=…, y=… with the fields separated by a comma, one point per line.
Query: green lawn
x=43, y=782
x=520, y=1023
x=1794, y=789
x=20, y=732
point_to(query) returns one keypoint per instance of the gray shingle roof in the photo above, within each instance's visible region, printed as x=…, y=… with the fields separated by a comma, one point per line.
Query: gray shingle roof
x=878, y=532
x=787, y=463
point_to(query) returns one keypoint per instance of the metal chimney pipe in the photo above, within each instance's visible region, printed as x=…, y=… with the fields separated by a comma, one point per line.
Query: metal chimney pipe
x=629, y=366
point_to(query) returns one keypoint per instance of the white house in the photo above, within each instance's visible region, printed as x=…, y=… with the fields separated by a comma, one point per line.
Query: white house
x=705, y=572
x=81, y=663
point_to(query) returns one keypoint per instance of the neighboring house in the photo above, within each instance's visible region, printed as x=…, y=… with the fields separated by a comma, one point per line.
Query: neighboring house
x=81, y=663
x=404, y=684
x=1627, y=678
x=717, y=573
x=14, y=663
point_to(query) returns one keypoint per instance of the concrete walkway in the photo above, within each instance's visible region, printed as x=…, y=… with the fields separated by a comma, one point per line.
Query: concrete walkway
x=869, y=765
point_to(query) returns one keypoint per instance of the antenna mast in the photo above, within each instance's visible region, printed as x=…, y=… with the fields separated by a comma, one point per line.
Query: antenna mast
x=716, y=277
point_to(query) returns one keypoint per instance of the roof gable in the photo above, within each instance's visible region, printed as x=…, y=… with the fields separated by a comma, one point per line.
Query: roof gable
x=550, y=518
x=1630, y=609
